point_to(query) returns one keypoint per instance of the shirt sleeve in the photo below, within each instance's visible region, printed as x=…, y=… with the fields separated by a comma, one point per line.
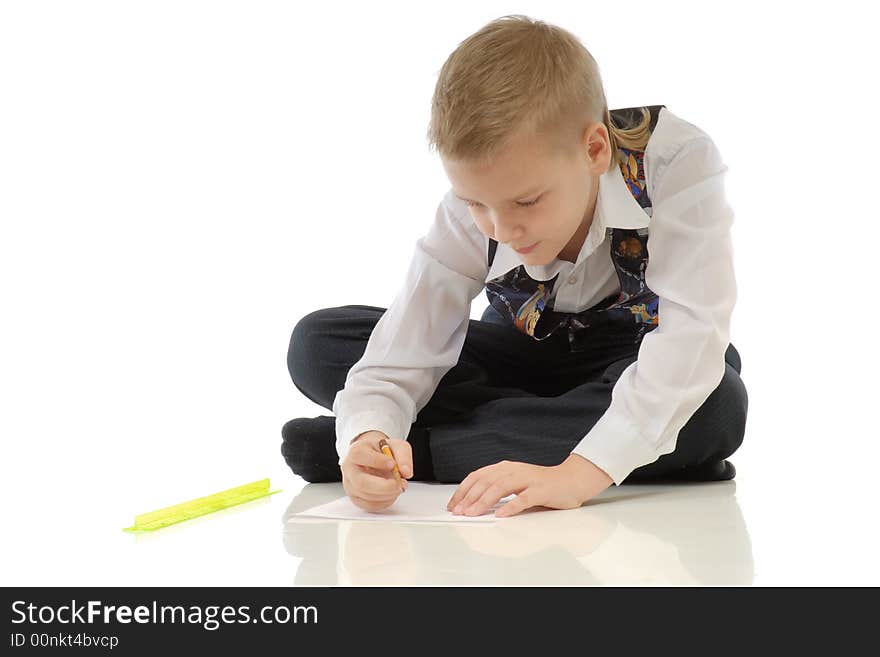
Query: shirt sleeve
x=681, y=362
x=419, y=337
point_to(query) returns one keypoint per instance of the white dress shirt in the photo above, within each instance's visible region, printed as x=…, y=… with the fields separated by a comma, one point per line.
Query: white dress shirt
x=690, y=268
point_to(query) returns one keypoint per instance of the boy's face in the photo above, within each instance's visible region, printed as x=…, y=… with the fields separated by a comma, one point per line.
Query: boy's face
x=530, y=198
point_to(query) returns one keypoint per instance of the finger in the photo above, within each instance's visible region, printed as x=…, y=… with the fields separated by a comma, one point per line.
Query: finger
x=402, y=451
x=385, y=474
x=371, y=457
x=376, y=472
x=475, y=492
x=495, y=491
x=366, y=493
x=354, y=489
x=370, y=505
x=463, y=488
x=384, y=486
x=521, y=502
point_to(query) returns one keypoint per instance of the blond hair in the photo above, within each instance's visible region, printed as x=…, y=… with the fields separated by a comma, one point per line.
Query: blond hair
x=519, y=74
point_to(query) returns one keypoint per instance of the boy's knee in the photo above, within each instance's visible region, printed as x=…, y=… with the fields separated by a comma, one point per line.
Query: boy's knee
x=732, y=405
x=716, y=430
x=732, y=358
x=306, y=342
x=341, y=332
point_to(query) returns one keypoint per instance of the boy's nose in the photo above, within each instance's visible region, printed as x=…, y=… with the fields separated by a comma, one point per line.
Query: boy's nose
x=507, y=231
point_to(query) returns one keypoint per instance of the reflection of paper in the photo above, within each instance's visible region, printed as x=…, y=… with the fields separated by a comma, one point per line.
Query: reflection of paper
x=420, y=502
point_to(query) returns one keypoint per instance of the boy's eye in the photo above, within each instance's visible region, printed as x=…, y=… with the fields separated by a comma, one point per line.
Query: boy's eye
x=522, y=205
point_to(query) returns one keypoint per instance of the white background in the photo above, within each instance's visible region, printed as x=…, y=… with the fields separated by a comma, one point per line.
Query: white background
x=180, y=182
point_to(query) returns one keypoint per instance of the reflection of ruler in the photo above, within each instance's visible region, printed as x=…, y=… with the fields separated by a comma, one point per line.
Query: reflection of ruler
x=200, y=506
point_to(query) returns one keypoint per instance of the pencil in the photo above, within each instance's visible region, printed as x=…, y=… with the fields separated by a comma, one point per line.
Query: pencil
x=386, y=450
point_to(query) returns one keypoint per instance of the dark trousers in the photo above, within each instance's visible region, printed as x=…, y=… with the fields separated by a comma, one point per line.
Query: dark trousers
x=510, y=397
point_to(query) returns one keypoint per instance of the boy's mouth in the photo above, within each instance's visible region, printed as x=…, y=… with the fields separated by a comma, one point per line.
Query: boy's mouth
x=528, y=249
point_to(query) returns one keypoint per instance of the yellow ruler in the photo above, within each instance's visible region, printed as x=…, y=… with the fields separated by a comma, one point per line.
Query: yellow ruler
x=147, y=522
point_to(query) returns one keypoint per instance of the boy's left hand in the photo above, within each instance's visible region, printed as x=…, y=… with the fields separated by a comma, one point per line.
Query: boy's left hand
x=564, y=486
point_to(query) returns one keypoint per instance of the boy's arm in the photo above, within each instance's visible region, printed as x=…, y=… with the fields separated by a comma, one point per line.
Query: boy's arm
x=680, y=362
x=420, y=336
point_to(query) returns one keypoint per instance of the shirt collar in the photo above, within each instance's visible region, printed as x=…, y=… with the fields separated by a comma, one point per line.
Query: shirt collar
x=615, y=208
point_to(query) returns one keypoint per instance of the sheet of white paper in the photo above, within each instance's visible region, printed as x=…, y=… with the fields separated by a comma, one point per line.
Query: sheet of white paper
x=420, y=502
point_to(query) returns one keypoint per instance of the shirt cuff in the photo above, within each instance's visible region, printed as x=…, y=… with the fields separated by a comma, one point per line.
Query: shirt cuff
x=615, y=445
x=349, y=427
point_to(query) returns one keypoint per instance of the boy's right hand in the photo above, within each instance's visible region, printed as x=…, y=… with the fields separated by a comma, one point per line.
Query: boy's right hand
x=368, y=475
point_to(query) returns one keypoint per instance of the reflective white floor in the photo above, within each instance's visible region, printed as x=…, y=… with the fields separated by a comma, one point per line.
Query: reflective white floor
x=754, y=530
x=679, y=535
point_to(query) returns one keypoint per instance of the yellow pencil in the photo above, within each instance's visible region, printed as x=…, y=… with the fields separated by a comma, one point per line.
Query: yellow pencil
x=386, y=450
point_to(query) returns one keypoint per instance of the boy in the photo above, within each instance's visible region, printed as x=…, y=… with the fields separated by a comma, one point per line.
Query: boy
x=594, y=363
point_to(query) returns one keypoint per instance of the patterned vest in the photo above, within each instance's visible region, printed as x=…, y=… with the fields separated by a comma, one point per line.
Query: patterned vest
x=619, y=318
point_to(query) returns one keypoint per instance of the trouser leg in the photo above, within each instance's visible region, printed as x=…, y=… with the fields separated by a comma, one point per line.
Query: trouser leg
x=494, y=362
x=544, y=430
x=714, y=431
x=509, y=397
